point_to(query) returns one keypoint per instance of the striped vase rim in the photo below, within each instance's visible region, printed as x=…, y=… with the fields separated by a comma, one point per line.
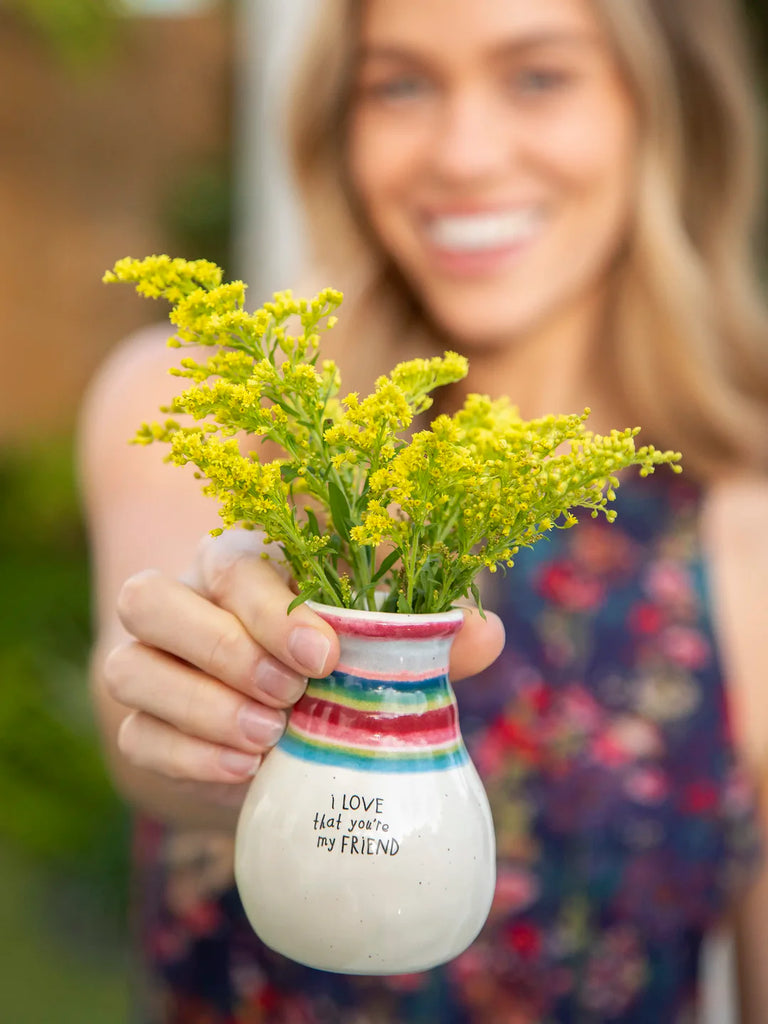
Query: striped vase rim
x=392, y=625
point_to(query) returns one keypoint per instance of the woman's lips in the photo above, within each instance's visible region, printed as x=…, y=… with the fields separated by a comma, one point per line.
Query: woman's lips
x=479, y=242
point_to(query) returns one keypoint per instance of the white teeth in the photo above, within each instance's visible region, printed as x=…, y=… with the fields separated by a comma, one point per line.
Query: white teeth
x=477, y=231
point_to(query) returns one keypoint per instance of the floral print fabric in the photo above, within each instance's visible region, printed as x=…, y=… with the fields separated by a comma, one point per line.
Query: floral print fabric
x=624, y=823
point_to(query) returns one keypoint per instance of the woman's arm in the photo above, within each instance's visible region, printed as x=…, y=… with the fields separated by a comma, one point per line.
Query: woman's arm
x=196, y=661
x=737, y=539
x=158, y=640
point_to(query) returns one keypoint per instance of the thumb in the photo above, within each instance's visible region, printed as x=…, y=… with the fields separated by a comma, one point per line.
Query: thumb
x=478, y=644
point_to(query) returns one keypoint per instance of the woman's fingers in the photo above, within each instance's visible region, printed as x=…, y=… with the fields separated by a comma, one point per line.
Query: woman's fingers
x=215, y=662
x=155, y=745
x=237, y=578
x=192, y=702
x=478, y=643
x=170, y=616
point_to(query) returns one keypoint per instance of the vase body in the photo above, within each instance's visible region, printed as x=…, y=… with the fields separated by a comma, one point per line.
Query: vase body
x=365, y=844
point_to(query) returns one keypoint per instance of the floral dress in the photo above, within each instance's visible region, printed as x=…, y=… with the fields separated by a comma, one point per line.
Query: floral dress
x=624, y=823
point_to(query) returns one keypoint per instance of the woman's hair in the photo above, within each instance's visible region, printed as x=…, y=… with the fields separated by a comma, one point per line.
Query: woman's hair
x=688, y=336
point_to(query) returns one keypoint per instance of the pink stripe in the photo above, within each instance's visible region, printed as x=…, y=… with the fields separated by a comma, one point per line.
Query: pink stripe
x=395, y=677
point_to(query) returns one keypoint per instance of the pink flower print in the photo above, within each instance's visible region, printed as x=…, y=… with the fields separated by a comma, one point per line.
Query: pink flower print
x=615, y=972
x=525, y=939
x=669, y=584
x=647, y=786
x=493, y=990
x=601, y=550
x=562, y=585
x=516, y=889
x=685, y=646
x=203, y=918
x=645, y=619
x=472, y=963
x=738, y=795
x=700, y=797
x=406, y=982
x=628, y=738
x=490, y=754
x=520, y=737
x=536, y=696
x=580, y=709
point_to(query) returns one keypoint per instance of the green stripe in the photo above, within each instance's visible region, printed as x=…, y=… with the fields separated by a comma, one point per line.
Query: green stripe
x=353, y=693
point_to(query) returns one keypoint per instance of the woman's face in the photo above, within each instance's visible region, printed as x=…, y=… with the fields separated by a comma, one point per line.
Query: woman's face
x=492, y=147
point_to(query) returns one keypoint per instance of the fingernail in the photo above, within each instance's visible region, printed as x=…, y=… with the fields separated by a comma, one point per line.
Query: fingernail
x=272, y=678
x=261, y=725
x=239, y=764
x=310, y=648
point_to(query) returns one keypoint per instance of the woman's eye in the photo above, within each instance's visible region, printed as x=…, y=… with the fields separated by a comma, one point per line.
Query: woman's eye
x=532, y=81
x=401, y=87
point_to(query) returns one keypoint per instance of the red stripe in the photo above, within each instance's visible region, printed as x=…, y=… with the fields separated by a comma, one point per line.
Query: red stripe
x=365, y=738
x=392, y=626
x=337, y=716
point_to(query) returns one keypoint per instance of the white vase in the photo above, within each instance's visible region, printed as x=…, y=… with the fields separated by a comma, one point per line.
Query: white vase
x=365, y=844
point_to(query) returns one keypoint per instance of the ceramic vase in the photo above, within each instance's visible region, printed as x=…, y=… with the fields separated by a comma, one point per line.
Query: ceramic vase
x=365, y=844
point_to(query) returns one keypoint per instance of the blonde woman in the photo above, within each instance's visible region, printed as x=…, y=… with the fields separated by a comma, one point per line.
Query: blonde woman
x=566, y=192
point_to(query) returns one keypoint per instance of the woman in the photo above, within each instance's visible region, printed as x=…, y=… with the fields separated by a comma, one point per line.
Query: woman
x=565, y=192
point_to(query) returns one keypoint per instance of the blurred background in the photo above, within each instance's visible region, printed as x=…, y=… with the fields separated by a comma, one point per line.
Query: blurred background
x=116, y=123
x=127, y=127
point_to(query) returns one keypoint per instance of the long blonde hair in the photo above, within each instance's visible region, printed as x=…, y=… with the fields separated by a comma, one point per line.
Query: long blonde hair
x=688, y=338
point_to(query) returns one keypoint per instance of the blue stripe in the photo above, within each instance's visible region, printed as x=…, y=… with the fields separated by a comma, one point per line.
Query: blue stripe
x=344, y=680
x=380, y=762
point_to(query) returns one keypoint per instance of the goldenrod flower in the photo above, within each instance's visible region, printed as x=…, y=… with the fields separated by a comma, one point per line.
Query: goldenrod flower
x=353, y=503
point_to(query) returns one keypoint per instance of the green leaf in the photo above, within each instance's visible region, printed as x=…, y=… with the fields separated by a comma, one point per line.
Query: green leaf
x=314, y=526
x=305, y=595
x=340, y=512
x=335, y=545
x=475, y=592
x=402, y=604
x=288, y=473
x=386, y=565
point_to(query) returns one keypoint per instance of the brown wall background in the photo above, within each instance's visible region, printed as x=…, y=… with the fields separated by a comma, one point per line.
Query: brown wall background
x=92, y=161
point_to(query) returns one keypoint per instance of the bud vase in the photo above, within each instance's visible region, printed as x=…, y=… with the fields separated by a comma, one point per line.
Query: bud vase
x=365, y=844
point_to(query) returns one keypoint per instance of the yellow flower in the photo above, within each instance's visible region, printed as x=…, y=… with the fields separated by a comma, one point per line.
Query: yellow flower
x=449, y=501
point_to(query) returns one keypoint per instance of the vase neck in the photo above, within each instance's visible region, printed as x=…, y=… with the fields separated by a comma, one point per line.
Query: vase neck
x=382, y=709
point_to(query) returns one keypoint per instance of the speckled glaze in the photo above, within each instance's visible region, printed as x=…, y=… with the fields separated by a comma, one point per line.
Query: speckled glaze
x=365, y=844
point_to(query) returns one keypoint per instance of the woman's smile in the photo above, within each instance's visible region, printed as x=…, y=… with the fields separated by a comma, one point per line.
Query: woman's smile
x=481, y=242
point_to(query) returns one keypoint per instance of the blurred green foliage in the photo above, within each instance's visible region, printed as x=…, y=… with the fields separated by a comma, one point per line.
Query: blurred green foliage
x=78, y=30
x=197, y=211
x=59, y=808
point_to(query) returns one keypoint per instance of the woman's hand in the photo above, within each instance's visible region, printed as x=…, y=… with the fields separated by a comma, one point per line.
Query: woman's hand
x=217, y=663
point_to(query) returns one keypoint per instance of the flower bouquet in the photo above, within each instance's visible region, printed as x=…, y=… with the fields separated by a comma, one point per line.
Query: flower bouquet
x=369, y=804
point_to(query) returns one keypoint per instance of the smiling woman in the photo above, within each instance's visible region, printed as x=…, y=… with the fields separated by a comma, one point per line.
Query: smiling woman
x=474, y=162
x=564, y=192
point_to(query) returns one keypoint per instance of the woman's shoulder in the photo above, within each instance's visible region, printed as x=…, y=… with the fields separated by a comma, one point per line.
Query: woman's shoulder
x=133, y=373
x=736, y=543
x=735, y=520
x=128, y=389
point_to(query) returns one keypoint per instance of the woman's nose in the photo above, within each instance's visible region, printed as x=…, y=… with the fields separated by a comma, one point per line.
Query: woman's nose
x=471, y=140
